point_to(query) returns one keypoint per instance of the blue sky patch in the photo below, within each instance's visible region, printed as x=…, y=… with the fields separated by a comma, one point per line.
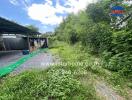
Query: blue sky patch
x=44, y=14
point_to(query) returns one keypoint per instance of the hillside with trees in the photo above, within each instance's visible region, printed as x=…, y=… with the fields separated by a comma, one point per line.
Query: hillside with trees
x=93, y=29
x=95, y=51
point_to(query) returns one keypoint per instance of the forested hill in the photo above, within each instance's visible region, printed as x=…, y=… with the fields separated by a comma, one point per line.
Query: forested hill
x=108, y=36
x=92, y=53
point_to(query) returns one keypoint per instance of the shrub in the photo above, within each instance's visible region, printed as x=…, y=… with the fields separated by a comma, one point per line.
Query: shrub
x=122, y=41
x=99, y=38
x=120, y=61
x=55, y=84
x=120, y=56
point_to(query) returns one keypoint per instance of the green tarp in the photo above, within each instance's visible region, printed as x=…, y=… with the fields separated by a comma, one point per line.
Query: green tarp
x=7, y=69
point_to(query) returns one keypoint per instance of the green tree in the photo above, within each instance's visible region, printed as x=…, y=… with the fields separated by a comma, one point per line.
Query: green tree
x=33, y=28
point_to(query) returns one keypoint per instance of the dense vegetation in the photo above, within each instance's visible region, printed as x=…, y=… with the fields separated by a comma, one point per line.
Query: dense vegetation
x=51, y=85
x=60, y=82
x=96, y=33
x=88, y=37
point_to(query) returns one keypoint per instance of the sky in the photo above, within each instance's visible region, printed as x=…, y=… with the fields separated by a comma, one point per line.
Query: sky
x=44, y=14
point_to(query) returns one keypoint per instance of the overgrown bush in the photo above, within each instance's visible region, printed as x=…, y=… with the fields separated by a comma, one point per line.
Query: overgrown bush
x=92, y=28
x=53, y=84
x=122, y=42
x=120, y=61
x=99, y=38
x=52, y=41
x=120, y=56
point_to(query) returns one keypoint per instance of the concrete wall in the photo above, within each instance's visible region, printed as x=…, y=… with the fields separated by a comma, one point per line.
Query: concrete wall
x=15, y=43
x=21, y=43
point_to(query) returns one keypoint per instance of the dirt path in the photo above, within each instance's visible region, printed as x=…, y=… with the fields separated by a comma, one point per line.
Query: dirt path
x=106, y=92
x=40, y=61
x=103, y=91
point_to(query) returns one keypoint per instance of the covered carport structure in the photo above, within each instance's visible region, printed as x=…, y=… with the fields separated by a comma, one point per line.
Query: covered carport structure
x=14, y=39
x=22, y=37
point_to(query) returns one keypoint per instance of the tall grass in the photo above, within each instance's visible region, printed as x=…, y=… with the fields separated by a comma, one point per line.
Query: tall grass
x=94, y=64
x=55, y=83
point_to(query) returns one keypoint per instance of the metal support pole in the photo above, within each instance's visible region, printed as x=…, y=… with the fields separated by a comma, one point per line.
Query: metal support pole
x=28, y=42
x=2, y=42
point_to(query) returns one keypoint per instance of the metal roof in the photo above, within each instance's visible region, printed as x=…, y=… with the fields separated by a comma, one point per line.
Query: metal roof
x=9, y=27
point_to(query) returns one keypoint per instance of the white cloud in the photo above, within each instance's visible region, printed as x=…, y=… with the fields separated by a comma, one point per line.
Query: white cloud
x=14, y=2
x=23, y=3
x=46, y=13
x=77, y=5
x=49, y=2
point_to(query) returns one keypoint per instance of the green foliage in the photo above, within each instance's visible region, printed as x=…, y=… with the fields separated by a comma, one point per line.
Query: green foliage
x=120, y=56
x=92, y=65
x=61, y=84
x=130, y=85
x=98, y=12
x=116, y=79
x=99, y=38
x=67, y=31
x=120, y=61
x=91, y=28
x=122, y=41
x=32, y=27
x=55, y=84
x=88, y=31
x=52, y=41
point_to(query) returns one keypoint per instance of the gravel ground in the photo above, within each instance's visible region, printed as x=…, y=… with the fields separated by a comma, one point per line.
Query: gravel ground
x=104, y=91
x=39, y=61
x=9, y=57
x=107, y=92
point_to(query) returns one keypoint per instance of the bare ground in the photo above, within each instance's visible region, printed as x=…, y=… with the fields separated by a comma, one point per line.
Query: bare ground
x=40, y=61
x=106, y=92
